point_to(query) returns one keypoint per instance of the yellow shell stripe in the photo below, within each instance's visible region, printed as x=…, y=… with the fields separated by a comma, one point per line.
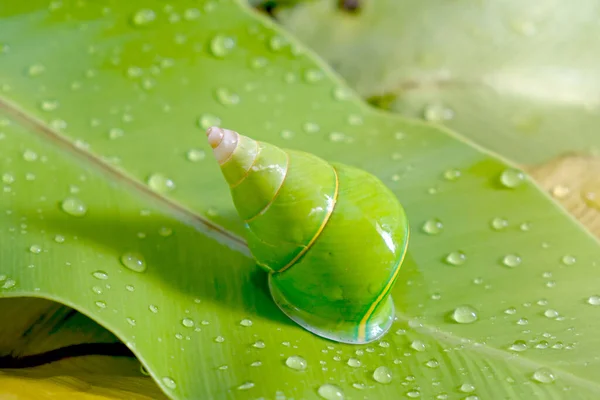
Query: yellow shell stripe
x=265, y=208
x=362, y=325
x=249, y=168
x=325, y=220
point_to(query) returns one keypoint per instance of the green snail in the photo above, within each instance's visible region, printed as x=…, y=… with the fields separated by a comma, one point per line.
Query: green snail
x=331, y=237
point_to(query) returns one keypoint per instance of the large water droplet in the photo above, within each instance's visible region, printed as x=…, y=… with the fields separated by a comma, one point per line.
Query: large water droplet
x=543, y=375
x=433, y=226
x=9, y=284
x=160, y=183
x=219, y=339
x=169, y=382
x=433, y=363
x=418, y=345
x=511, y=260
x=467, y=388
x=227, y=97
x=221, y=45
x=153, y=308
x=382, y=374
x=143, y=17
x=330, y=392
x=413, y=394
x=464, y=315
x=74, y=206
x=134, y=261
x=296, y=362
x=354, y=363
x=35, y=249
x=259, y=344
x=511, y=178
x=100, y=304
x=550, y=313
x=456, y=258
x=518, y=345
x=246, y=322
x=594, y=300
x=187, y=322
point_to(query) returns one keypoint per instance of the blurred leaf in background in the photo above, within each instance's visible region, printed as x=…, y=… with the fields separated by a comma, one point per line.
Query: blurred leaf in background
x=520, y=78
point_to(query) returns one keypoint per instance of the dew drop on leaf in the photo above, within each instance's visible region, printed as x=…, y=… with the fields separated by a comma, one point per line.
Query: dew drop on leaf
x=433, y=226
x=464, y=315
x=511, y=178
x=8, y=284
x=413, y=394
x=100, y=275
x=100, y=304
x=417, y=345
x=498, y=223
x=134, y=261
x=187, y=322
x=452, y=174
x=456, y=258
x=59, y=239
x=35, y=249
x=382, y=374
x=259, y=344
x=330, y=392
x=550, y=313
x=74, y=207
x=518, y=345
x=220, y=46
x=130, y=321
x=160, y=183
x=8, y=178
x=354, y=363
x=226, y=97
x=219, y=339
x=594, y=300
x=511, y=260
x=543, y=375
x=246, y=322
x=568, y=260
x=30, y=155
x=246, y=386
x=195, y=155
x=169, y=382
x=143, y=17
x=36, y=70
x=296, y=362
x=153, y=308
x=433, y=363
x=437, y=112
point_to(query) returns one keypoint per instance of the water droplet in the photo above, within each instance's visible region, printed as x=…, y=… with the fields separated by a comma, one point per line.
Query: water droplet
x=382, y=374
x=74, y=207
x=560, y=191
x=169, y=382
x=286, y=134
x=134, y=261
x=36, y=70
x=220, y=46
x=354, y=363
x=498, y=223
x=246, y=386
x=195, y=155
x=219, y=339
x=433, y=226
x=296, y=362
x=97, y=289
x=276, y=43
x=160, y=183
x=246, y=322
x=9, y=284
x=30, y=155
x=510, y=311
x=8, y=178
x=464, y=315
x=130, y=321
x=153, y=308
x=358, y=385
x=227, y=97
x=518, y=345
x=413, y=394
x=100, y=304
x=312, y=75
x=522, y=321
x=543, y=375
x=568, y=260
x=511, y=260
x=49, y=105
x=437, y=112
x=191, y=14
x=511, y=178
x=452, y=174
x=330, y=392
x=418, y=345
x=143, y=17
x=594, y=300
x=259, y=344
x=115, y=133
x=256, y=364
x=456, y=258
x=187, y=322
x=550, y=313
x=100, y=275
x=35, y=249
x=258, y=62
x=433, y=363
x=59, y=239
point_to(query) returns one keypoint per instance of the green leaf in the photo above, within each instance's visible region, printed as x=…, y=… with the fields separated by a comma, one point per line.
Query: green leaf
x=518, y=78
x=103, y=164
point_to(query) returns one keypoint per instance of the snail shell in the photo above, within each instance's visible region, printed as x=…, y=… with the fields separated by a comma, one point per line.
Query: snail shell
x=331, y=236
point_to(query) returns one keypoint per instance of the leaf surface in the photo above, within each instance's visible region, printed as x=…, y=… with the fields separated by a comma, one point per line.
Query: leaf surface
x=103, y=161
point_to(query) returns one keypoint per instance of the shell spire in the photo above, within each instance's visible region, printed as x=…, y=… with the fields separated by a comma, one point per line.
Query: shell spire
x=332, y=237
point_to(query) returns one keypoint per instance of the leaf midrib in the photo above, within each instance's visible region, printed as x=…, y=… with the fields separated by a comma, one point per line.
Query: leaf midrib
x=178, y=210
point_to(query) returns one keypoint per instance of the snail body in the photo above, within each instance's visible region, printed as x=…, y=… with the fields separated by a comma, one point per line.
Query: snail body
x=332, y=237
